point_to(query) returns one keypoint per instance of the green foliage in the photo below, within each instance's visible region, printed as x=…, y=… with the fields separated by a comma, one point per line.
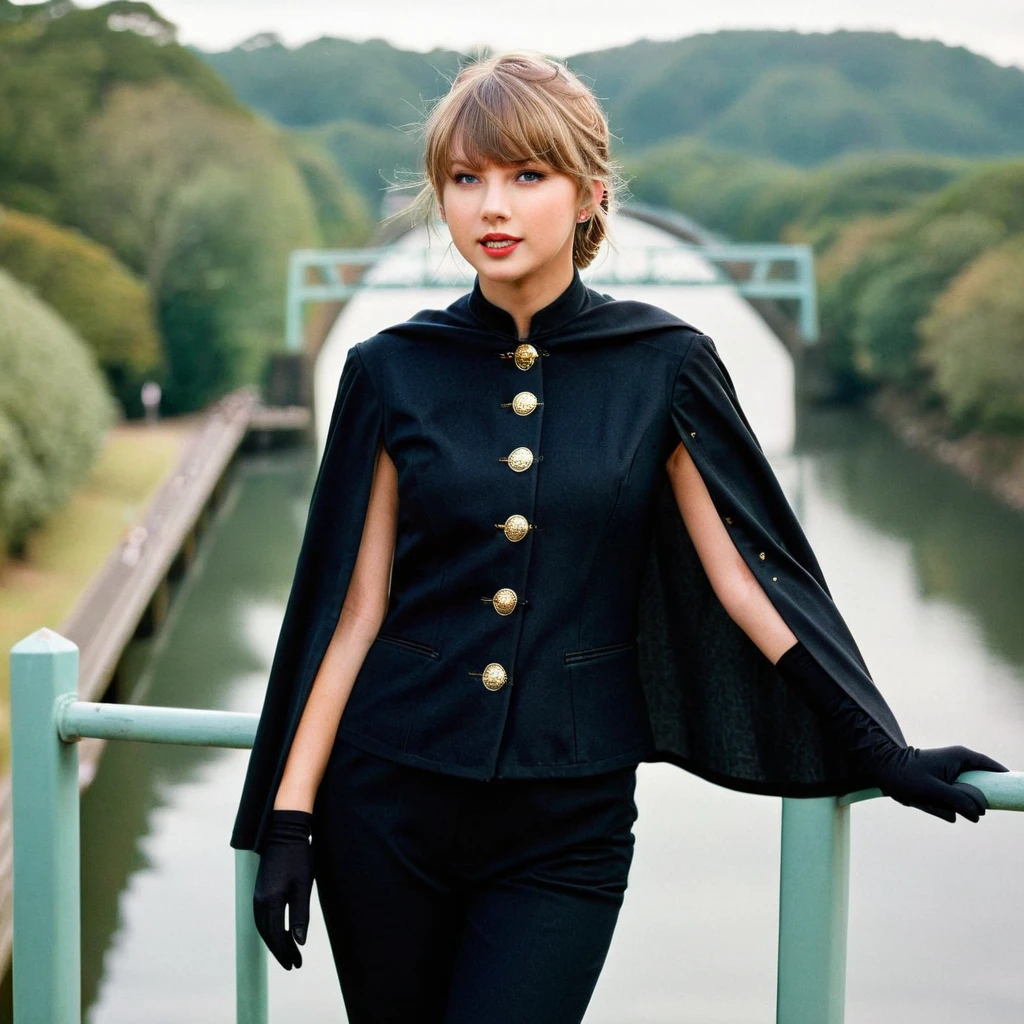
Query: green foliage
x=809, y=97
x=341, y=212
x=56, y=71
x=994, y=190
x=54, y=412
x=332, y=79
x=804, y=115
x=721, y=190
x=753, y=199
x=206, y=207
x=973, y=340
x=905, y=283
x=109, y=126
x=871, y=307
x=368, y=156
x=853, y=260
x=107, y=305
x=857, y=186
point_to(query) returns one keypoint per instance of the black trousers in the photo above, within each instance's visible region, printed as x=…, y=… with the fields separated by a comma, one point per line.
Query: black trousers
x=455, y=901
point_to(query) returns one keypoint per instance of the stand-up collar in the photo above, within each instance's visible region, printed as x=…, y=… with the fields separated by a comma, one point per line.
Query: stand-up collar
x=571, y=302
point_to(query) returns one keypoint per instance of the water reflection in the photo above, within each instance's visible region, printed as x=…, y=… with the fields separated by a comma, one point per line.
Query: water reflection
x=964, y=548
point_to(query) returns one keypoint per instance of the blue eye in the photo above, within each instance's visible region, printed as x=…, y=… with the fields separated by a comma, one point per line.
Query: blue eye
x=538, y=175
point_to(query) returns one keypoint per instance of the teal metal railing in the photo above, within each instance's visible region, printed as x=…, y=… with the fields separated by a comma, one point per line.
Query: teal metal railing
x=756, y=270
x=47, y=718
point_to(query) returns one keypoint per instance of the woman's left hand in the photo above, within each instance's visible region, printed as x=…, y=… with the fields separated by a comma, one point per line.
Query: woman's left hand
x=926, y=779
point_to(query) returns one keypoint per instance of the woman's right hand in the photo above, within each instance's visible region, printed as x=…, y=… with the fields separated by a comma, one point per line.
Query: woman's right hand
x=284, y=879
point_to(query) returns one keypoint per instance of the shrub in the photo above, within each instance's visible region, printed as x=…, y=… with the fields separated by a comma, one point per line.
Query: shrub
x=104, y=302
x=54, y=412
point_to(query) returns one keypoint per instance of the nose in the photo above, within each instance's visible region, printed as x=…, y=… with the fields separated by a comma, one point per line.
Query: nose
x=495, y=204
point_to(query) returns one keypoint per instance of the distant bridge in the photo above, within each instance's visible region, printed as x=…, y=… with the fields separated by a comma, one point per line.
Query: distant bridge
x=729, y=291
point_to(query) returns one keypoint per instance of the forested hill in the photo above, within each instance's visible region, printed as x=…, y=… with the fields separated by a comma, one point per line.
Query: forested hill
x=148, y=205
x=799, y=97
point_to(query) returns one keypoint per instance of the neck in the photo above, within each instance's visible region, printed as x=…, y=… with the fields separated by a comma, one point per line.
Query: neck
x=522, y=298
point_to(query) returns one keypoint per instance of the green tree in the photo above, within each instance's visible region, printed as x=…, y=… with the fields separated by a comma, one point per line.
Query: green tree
x=105, y=303
x=721, y=190
x=56, y=68
x=973, y=340
x=54, y=412
x=903, y=286
x=993, y=190
x=205, y=206
x=805, y=115
x=858, y=253
x=342, y=214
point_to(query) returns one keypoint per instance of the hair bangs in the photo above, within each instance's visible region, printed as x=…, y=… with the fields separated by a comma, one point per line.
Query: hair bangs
x=493, y=123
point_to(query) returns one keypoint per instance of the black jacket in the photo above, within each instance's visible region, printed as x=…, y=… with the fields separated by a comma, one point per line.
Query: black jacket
x=590, y=637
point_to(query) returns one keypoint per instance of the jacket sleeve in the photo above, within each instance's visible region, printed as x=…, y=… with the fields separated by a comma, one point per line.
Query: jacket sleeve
x=324, y=567
x=718, y=706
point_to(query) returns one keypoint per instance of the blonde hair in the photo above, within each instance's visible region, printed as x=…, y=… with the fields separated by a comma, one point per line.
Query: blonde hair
x=513, y=107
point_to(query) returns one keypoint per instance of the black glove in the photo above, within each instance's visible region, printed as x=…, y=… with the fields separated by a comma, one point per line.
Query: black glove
x=925, y=779
x=284, y=878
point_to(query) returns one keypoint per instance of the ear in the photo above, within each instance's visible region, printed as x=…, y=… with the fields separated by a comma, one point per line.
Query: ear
x=598, y=192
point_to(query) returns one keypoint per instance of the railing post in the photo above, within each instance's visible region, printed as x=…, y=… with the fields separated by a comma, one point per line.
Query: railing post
x=47, y=866
x=250, y=953
x=293, y=335
x=809, y=326
x=813, y=902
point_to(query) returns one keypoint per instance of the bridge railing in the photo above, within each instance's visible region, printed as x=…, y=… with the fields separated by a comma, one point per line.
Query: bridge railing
x=47, y=719
x=754, y=269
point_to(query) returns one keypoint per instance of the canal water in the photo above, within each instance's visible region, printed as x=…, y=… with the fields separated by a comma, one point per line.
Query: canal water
x=928, y=574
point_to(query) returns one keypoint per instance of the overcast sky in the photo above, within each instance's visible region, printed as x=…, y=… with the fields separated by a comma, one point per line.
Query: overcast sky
x=994, y=28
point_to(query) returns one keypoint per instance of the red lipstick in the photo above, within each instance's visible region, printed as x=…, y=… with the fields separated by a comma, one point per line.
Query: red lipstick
x=499, y=250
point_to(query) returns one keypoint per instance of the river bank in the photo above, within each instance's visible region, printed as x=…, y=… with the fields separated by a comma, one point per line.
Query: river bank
x=992, y=462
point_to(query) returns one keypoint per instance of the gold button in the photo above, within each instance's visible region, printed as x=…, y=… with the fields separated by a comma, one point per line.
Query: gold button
x=760, y=555
x=728, y=519
x=516, y=527
x=526, y=355
x=504, y=601
x=524, y=403
x=775, y=579
x=693, y=433
x=519, y=459
x=494, y=676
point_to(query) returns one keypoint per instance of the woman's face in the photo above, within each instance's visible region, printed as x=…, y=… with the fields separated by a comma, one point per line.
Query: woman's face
x=530, y=202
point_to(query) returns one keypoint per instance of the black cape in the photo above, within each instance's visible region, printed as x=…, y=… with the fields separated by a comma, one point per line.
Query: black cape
x=718, y=706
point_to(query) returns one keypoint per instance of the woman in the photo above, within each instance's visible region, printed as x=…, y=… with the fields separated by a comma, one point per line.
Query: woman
x=544, y=545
